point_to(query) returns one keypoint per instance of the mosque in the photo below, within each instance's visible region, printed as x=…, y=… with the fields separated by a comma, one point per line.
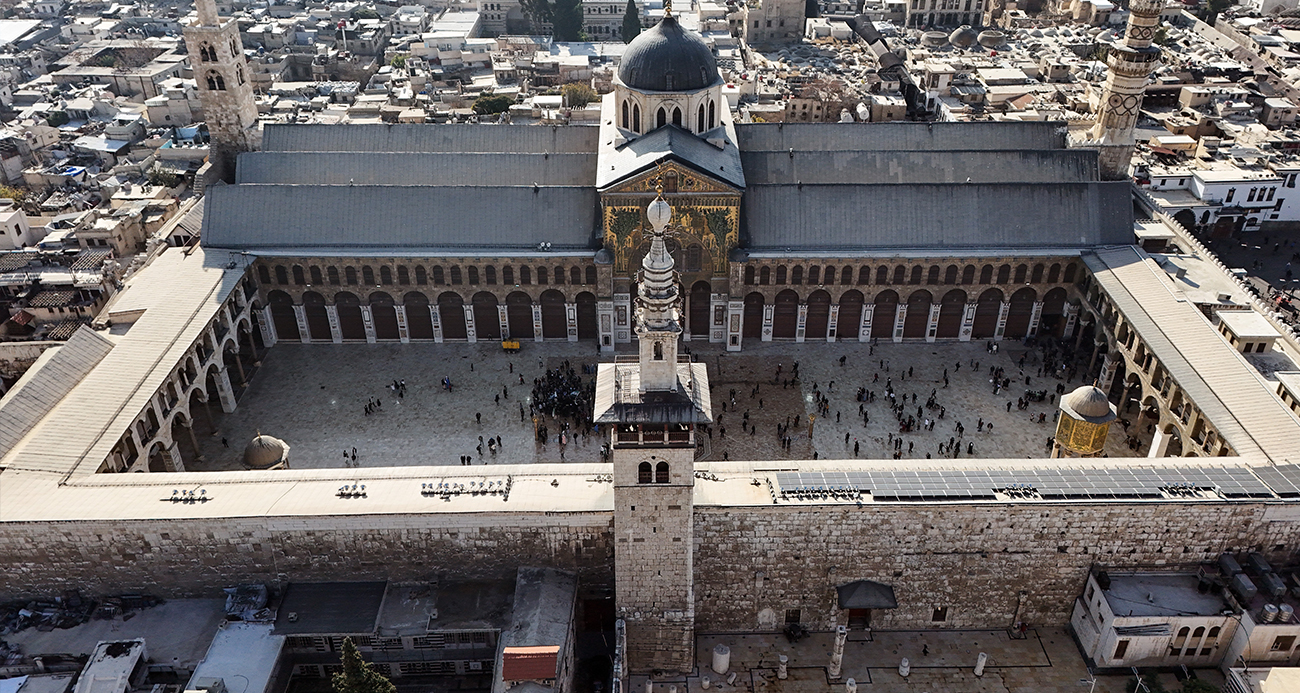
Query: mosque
x=669, y=223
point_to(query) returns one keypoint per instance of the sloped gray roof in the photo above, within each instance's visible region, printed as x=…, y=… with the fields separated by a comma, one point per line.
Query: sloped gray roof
x=834, y=137
x=40, y=389
x=1050, y=166
x=575, y=139
x=270, y=217
x=670, y=142
x=387, y=168
x=859, y=217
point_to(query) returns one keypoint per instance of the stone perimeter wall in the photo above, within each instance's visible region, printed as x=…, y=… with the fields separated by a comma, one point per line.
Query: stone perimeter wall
x=189, y=558
x=973, y=559
x=752, y=564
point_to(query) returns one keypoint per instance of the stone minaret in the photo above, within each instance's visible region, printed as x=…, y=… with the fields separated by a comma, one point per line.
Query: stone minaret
x=651, y=407
x=1130, y=63
x=225, y=89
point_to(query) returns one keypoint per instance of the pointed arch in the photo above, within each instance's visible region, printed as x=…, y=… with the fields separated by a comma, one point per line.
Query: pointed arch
x=661, y=118
x=677, y=116
x=700, y=119
x=215, y=81
x=626, y=114
x=636, y=118
x=712, y=114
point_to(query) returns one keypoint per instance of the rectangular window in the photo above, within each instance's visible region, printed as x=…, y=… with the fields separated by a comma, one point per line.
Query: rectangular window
x=793, y=615
x=1121, y=648
x=940, y=615
x=1251, y=197
x=1231, y=192
x=1283, y=643
x=1271, y=192
x=1091, y=591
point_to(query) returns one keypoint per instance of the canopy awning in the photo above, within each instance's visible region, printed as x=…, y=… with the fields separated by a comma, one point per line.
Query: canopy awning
x=865, y=594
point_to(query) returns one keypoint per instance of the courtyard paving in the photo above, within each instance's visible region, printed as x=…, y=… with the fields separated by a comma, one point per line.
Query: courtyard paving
x=314, y=396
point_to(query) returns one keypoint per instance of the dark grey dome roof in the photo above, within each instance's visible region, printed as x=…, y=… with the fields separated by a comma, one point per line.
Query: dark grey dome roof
x=667, y=57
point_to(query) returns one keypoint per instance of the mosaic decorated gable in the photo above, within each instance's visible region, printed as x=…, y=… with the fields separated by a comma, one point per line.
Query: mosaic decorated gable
x=706, y=212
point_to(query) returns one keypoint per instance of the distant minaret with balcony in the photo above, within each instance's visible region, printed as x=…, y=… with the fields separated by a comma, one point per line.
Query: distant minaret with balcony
x=225, y=88
x=652, y=405
x=1130, y=65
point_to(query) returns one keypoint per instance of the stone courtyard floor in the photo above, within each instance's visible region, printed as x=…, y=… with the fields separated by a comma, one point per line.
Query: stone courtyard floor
x=1046, y=660
x=313, y=397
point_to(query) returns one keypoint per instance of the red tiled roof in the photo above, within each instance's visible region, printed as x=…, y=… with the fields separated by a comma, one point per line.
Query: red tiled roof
x=22, y=317
x=529, y=663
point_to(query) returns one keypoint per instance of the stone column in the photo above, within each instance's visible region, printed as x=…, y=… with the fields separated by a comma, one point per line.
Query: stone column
x=368, y=320
x=900, y=319
x=435, y=316
x=1034, y=317
x=767, y=321
x=225, y=392
x=300, y=313
x=1002, y=320
x=1071, y=320
x=239, y=366
x=605, y=323
x=735, y=324
x=864, y=328
x=174, y=461
x=189, y=428
x=932, y=323
x=968, y=321
x=1159, y=443
x=1078, y=336
x=833, y=323
x=801, y=326
x=403, y=332
x=503, y=320
x=471, y=329
x=537, y=322
x=1108, y=367
x=267, y=326
x=336, y=334
x=571, y=320
x=717, y=306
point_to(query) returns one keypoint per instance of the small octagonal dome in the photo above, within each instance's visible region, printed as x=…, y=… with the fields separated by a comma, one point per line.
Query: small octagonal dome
x=1088, y=403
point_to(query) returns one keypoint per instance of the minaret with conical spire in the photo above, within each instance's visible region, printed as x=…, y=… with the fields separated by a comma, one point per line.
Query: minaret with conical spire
x=658, y=314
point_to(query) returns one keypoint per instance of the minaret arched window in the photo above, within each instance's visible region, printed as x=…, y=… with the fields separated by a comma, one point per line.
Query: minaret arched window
x=644, y=473
x=661, y=473
x=207, y=53
x=234, y=47
x=216, y=82
x=239, y=74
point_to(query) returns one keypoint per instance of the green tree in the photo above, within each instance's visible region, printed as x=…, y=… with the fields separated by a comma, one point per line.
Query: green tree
x=364, y=13
x=359, y=676
x=539, y=12
x=577, y=94
x=398, y=62
x=11, y=193
x=631, y=22
x=489, y=104
x=1151, y=681
x=566, y=24
x=57, y=118
x=1213, y=8
x=1199, y=686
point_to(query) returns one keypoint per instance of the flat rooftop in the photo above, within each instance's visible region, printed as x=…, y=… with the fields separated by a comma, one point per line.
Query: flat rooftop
x=1150, y=594
x=419, y=608
x=330, y=608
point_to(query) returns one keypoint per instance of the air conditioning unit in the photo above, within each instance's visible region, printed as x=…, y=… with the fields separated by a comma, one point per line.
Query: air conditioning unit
x=476, y=666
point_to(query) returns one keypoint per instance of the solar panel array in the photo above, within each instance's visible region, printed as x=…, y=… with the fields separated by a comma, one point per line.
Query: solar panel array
x=1284, y=479
x=1047, y=483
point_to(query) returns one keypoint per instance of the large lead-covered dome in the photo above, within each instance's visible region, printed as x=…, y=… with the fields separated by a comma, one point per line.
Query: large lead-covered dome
x=668, y=58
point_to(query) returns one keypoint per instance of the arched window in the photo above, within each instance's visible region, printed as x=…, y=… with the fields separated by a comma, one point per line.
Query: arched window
x=403, y=276
x=882, y=275
x=1037, y=275
x=507, y=275
x=421, y=276
x=541, y=275
x=950, y=275
x=239, y=74
x=1069, y=273
x=438, y=278
x=575, y=275
x=626, y=114
x=916, y=275
x=677, y=116
x=207, y=53
x=368, y=275
x=350, y=274
x=814, y=275
x=712, y=118
x=264, y=274
x=986, y=274
x=455, y=275
x=281, y=275
x=644, y=473
x=299, y=278
x=661, y=473
x=333, y=274
x=796, y=275
x=591, y=275
x=216, y=82
x=1022, y=271
x=659, y=351
x=749, y=274
x=864, y=275
x=1054, y=273
x=490, y=275
x=846, y=276
x=1004, y=274
x=558, y=275
x=472, y=271
x=385, y=275
x=699, y=117
x=780, y=274
x=661, y=118
x=764, y=275
x=968, y=275
x=525, y=276
x=636, y=118
x=932, y=277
